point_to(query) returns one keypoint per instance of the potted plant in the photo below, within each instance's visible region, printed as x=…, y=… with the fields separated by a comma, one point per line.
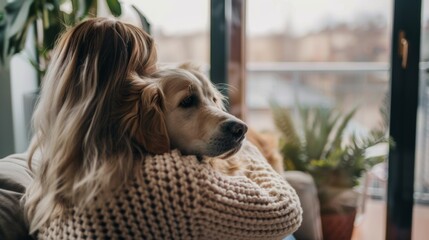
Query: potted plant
x=315, y=142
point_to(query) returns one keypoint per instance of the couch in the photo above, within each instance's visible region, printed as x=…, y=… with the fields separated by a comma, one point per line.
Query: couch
x=14, y=177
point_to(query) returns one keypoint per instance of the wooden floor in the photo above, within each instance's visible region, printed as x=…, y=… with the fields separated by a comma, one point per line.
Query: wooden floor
x=371, y=224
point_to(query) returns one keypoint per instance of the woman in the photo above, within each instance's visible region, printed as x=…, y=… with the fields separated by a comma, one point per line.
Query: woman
x=95, y=181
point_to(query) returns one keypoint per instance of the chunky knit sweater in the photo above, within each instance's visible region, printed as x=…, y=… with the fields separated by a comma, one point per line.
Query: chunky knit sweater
x=178, y=197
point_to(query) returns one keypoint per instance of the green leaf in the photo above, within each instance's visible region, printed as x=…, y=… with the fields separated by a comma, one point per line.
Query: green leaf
x=13, y=26
x=284, y=123
x=342, y=126
x=145, y=23
x=54, y=28
x=318, y=124
x=19, y=40
x=85, y=7
x=75, y=10
x=17, y=13
x=3, y=38
x=115, y=7
x=51, y=35
x=292, y=156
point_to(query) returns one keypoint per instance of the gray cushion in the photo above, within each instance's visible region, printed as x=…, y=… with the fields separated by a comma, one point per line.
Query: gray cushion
x=14, y=178
x=311, y=226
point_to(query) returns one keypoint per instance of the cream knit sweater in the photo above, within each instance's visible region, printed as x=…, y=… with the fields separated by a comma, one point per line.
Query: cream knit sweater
x=179, y=197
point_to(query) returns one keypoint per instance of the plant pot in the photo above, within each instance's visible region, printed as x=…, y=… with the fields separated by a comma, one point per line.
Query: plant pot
x=339, y=225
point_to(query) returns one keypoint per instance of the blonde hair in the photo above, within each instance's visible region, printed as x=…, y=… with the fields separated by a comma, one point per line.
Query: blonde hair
x=87, y=118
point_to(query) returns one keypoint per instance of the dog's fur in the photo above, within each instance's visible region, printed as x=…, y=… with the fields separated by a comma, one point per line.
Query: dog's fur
x=267, y=144
x=183, y=110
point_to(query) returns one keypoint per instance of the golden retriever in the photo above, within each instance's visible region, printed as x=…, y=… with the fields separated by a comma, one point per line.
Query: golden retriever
x=181, y=109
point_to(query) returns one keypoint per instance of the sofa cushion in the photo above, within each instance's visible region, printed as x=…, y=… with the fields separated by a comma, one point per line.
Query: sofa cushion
x=311, y=226
x=14, y=178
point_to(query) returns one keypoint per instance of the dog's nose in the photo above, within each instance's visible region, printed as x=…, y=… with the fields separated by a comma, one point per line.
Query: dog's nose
x=235, y=129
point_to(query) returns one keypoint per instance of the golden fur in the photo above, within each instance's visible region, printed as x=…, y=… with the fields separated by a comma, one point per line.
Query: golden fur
x=268, y=145
x=197, y=129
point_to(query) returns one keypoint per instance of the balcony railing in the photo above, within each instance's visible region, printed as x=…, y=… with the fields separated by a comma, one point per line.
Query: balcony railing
x=323, y=66
x=318, y=67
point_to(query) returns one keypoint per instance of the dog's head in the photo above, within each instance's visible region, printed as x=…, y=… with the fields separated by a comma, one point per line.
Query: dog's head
x=182, y=109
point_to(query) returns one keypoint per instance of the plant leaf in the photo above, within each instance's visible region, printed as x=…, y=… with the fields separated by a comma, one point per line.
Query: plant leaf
x=145, y=23
x=15, y=19
x=340, y=130
x=292, y=157
x=17, y=13
x=335, y=138
x=284, y=123
x=318, y=124
x=115, y=7
x=82, y=11
x=3, y=39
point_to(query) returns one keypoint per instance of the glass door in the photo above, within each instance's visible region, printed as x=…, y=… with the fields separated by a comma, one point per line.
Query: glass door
x=420, y=220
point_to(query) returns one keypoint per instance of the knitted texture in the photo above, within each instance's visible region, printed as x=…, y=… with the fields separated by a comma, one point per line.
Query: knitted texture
x=178, y=197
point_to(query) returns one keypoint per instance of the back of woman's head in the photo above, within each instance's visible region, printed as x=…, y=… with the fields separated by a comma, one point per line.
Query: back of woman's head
x=85, y=118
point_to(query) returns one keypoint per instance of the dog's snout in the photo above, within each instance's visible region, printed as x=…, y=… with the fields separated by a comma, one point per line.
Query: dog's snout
x=235, y=129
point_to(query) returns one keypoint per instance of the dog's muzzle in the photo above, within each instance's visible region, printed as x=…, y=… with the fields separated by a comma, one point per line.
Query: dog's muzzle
x=229, y=139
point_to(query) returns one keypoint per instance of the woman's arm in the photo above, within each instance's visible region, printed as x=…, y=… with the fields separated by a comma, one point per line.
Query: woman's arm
x=258, y=205
x=179, y=197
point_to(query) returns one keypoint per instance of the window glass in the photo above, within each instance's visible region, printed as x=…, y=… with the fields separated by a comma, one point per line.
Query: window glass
x=180, y=28
x=328, y=53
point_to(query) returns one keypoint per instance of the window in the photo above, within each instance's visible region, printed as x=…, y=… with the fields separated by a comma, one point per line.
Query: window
x=180, y=29
x=316, y=54
x=327, y=53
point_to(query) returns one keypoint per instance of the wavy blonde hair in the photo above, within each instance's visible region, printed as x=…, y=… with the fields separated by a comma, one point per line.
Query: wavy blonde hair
x=87, y=121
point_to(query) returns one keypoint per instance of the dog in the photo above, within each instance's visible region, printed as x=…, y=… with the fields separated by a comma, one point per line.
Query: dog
x=181, y=109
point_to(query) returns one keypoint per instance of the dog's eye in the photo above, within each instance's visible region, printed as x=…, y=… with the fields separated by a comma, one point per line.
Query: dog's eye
x=214, y=100
x=188, y=102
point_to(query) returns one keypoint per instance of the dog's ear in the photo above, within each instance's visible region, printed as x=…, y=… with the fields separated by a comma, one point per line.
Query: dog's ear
x=152, y=134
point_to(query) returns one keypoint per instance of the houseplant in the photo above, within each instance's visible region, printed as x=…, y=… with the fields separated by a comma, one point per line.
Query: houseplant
x=315, y=142
x=48, y=18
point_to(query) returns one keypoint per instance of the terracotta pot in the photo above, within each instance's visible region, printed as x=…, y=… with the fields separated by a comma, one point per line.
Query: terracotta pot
x=338, y=226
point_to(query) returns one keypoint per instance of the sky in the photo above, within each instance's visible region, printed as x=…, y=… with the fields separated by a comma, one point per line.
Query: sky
x=266, y=16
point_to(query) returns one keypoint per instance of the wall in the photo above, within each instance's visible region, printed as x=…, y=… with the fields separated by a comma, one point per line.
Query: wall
x=17, y=78
x=23, y=81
